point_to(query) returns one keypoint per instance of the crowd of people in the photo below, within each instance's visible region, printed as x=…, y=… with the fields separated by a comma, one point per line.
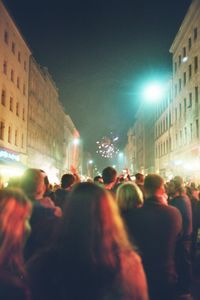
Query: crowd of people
x=114, y=238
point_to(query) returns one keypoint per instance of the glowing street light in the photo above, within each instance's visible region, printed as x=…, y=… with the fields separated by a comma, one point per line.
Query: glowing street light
x=90, y=161
x=153, y=92
x=76, y=141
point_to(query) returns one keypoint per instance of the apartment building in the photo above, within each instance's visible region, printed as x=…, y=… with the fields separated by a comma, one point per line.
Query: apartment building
x=45, y=123
x=185, y=51
x=14, y=74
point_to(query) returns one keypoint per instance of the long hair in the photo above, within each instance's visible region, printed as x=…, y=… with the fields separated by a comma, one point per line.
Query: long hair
x=15, y=209
x=92, y=224
x=129, y=196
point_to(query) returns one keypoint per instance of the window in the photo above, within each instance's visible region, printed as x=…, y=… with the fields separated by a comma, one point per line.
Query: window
x=5, y=67
x=25, y=66
x=184, y=51
x=22, y=143
x=179, y=60
x=185, y=105
x=19, y=57
x=190, y=71
x=12, y=75
x=9, y=134
x=190, y=100
x=23, y=114
x=179, y=84
x=181, y=137
x=185, y=129
x=17, y=108
x=184, y=78
x=196, y=94
x=18, y=83
x=196, y=64
x=13, y=47
x=11, y=103
x=197, y=128
x=3, y=97
x=175, y=67
x=167, y=146
x=180, y=112
x=190, y=131
x=16, y=137
x=175, y=90
x=190, y=43
x=24, y=89
x=2, y=128
x=195, y=33
x=6, y=37
x=176, y=114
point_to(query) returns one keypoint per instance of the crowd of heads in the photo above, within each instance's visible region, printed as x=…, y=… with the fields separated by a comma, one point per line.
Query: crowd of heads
x=87, y=226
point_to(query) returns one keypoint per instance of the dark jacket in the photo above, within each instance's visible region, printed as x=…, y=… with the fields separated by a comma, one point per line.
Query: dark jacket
x=155, y=228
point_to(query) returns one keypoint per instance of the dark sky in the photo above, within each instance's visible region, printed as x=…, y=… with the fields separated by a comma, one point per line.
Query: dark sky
x=99, y=52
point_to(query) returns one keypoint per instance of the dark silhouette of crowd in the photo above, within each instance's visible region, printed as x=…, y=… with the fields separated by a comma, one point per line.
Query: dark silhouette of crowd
x=116, y=238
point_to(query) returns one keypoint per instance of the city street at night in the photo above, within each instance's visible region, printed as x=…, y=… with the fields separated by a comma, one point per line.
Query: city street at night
x=100, y=150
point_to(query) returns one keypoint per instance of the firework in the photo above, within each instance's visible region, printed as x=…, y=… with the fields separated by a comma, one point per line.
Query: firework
x=107, y=146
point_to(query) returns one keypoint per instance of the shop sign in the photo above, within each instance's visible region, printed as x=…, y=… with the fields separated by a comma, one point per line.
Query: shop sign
x=8, y=155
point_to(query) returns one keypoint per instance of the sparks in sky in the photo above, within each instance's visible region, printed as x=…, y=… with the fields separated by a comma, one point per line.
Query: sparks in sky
x=107, y=146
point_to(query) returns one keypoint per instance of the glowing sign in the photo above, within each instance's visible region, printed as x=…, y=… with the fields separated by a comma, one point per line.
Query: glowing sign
x=8, y=155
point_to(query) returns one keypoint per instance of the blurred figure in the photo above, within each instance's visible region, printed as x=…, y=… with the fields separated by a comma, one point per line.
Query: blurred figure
x=183, y=257
x=43, y=218
x=15, y=211
x=62, y=194
x=129, y=196
x=91, y=258
x=98, y=180
x=109, y=176
x=156, y=227
x=139, y=180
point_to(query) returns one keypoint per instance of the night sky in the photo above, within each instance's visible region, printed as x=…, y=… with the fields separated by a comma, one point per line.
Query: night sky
x=99, y=52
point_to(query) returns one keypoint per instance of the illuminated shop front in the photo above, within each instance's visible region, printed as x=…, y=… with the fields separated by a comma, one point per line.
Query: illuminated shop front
x=10, y=165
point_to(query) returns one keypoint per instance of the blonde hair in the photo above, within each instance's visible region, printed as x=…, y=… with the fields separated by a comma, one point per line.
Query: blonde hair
x=129, y=196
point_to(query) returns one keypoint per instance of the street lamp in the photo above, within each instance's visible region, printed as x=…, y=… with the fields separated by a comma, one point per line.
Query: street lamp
x=153, y=92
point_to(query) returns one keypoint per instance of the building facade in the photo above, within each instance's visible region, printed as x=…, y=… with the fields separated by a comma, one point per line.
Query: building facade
x=186, y=87
x=45, y=123
x=14, y=75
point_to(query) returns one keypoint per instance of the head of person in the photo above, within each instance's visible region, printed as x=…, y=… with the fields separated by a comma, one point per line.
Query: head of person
x=109, y=175
x=92, y=225
x=154, y=186
x=33, y=184
x=176, y=186
x=15, y=211
x=139, y=178
x=67, y=181
x=129, y=196
x=98, y=179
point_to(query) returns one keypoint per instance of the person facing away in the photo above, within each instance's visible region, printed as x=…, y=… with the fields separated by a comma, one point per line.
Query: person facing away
x=183, y=257
x=109, y=176
x=91, y=257
x=43, y=219
x=15, y=211
x=139, y=180
x=129, y=196
x=62, y=194
x=156, y=227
